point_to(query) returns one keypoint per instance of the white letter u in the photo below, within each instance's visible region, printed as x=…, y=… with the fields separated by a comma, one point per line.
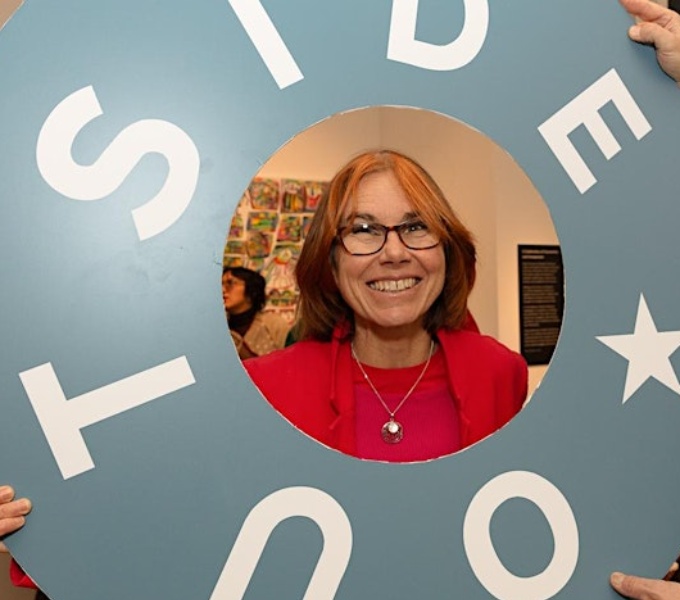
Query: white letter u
x=308, y=502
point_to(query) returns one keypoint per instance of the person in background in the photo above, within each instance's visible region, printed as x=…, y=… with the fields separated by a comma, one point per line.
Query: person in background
x=658, y=27
x=255, y=333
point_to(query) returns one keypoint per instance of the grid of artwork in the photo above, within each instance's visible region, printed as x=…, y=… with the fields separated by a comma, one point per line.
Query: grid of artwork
x=267, y=232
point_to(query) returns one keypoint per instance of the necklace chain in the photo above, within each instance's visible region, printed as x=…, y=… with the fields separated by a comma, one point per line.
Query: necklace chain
x=392, y=413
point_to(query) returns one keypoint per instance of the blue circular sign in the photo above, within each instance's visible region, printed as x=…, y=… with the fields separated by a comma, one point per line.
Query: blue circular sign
x=130, y=130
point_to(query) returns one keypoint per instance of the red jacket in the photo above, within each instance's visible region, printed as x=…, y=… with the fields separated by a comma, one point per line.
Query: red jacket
x=18, y=577
x=310, y=384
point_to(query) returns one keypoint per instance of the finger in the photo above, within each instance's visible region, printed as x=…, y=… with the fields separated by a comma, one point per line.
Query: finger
x=651, y=33
x=645, y=10
x=629, y=585
x=6, y=494
x=3, y=548
x=10, y=525
x=17, y=508
x=639, y=588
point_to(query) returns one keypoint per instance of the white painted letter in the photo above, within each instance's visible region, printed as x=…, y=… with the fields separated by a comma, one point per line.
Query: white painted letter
x=583, y=110
x=267, y=42
x=403, y=46
x=308, y=502
x=482, y=555
x=96, y=181
x=62, y=420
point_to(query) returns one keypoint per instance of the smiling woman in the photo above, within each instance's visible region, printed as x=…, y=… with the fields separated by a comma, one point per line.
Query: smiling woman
x=390, y=366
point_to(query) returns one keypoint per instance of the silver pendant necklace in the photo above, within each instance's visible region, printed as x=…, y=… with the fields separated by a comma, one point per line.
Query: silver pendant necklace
x=392, y=431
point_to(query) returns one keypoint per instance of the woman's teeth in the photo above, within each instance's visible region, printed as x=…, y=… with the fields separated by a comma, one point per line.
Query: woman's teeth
x=391, y=285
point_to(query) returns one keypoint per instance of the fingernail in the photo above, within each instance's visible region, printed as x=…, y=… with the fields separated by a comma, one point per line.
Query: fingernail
x=634, y=31
x=25, y=505
x=6, y=493
x=616, y=578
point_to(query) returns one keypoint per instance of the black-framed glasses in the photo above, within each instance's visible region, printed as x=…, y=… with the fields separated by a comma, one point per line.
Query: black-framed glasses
x=362, y=238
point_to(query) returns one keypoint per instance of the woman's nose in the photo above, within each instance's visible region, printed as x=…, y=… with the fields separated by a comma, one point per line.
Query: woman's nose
x=394, y=249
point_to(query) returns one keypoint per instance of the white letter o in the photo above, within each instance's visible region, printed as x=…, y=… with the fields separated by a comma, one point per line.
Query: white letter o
x=481, y=553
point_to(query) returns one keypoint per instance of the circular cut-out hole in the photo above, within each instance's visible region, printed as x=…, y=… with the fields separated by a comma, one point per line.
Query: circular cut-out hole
x=470, y=388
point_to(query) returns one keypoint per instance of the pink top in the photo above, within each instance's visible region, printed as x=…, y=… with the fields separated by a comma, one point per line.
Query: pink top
x=429, y=416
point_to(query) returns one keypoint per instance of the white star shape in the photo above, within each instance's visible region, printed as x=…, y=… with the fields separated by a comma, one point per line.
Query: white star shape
x=648, y=352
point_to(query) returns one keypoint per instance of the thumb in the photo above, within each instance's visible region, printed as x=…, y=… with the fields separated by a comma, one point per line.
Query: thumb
x=639, y=588
x=628, y=585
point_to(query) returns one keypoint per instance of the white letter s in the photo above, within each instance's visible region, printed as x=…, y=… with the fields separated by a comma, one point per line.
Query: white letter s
x=96, y=181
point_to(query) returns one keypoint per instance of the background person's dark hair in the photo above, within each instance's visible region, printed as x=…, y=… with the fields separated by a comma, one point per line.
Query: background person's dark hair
x=255, y=285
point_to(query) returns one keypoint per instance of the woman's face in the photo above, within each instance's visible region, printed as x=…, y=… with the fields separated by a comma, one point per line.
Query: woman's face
x=234, y=294
x=395, y=287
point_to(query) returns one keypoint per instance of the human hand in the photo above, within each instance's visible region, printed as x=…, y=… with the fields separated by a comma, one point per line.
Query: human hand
x=640, y=588
x=12, y=513
x=659, y=27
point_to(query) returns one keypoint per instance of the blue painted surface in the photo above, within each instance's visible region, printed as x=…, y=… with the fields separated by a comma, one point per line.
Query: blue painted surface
x=175, y=479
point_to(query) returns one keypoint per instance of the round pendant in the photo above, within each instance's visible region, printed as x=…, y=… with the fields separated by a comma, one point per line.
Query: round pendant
x=392, y=432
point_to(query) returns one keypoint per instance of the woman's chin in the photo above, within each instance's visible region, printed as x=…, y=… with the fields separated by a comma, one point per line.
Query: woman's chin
x=394, y=324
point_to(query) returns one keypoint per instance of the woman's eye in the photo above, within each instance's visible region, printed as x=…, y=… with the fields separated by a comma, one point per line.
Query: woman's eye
x=415, y=226
x=365, y=229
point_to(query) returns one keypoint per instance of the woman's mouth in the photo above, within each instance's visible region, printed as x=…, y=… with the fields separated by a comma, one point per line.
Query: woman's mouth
x=393, y=285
